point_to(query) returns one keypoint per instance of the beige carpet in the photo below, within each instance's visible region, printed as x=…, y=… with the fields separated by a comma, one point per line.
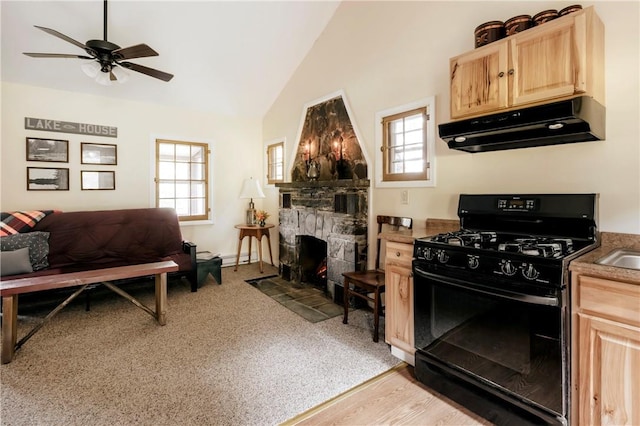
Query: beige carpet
x=229, y=355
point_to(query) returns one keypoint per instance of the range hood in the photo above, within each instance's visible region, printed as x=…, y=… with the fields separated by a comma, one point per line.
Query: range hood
x=579, y=119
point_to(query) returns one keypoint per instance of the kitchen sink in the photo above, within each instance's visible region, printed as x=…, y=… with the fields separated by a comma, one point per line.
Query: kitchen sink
x=622, y=258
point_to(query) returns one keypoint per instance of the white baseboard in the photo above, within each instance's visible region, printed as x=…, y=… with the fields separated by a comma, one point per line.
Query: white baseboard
x=230, y=259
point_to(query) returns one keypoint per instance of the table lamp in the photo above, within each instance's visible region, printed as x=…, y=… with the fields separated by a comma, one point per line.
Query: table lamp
x=251, y=189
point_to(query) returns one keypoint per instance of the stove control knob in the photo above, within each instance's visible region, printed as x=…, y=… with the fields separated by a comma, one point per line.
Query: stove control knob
x=473, y=261
x=529, y=271
x=443, y=257
x=428, y=254
x=507, y=268
x=422, y=253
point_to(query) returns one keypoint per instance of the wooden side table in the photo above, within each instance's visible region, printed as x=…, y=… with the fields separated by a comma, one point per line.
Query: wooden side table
x=258, y=232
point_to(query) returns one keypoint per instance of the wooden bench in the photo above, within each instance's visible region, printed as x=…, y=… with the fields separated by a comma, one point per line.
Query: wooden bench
x=10, y=289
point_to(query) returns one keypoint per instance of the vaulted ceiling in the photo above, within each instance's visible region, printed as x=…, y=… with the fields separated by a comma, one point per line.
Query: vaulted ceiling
x=230, y=58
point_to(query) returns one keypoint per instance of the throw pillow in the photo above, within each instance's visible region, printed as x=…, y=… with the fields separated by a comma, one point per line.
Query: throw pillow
x=37, y=242
x=15, y=262
x=21, y=221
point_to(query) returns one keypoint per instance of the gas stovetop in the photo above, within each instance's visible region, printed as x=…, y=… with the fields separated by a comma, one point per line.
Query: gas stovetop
x=492, y=256
x=508, y=243
x=539, y=246
x=526, y=239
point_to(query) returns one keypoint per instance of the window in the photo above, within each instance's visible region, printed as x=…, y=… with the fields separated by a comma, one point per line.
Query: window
x=404, y=146
x=182, y=178
x=405, y=137
x=275, y=163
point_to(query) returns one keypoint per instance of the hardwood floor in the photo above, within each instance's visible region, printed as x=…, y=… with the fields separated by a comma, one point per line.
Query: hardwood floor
x=394, y=397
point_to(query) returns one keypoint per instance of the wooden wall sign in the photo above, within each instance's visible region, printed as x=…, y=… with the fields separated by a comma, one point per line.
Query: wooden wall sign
x=70, y=127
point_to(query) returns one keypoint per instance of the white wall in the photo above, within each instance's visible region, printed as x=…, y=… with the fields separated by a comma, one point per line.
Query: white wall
x=235, y=156
x=385, y=54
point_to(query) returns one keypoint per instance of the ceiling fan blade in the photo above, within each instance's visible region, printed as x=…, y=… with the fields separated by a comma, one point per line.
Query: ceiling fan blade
x=55, y=55
x=161, y=75
x=137, y=51
x=63, y=37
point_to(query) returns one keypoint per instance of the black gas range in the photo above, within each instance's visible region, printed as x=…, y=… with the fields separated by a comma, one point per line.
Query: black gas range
x=513, y=240
x=491, y=299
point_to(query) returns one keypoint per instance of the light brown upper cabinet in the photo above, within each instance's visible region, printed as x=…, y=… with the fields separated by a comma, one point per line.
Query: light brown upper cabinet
x=558, y=59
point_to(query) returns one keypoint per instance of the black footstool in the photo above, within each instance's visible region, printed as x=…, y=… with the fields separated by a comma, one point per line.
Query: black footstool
x=208, y=264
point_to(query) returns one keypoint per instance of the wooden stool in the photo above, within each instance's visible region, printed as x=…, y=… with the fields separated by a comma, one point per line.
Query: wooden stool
x=371, y=281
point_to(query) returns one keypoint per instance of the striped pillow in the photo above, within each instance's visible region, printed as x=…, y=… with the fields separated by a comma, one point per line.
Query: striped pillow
x=21, y=221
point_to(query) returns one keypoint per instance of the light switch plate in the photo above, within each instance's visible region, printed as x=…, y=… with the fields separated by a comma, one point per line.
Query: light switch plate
x=404, y=196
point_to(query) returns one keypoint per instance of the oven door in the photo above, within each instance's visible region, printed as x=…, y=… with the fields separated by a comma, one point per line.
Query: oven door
x=510, y=344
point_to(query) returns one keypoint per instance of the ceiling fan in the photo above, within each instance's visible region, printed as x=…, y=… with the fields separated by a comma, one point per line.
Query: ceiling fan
x=106, y=57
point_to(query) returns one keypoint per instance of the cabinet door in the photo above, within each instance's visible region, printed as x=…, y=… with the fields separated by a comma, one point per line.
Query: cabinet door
x=608, y=372
x=479, y=80
x=399, y=302
x=546, y=62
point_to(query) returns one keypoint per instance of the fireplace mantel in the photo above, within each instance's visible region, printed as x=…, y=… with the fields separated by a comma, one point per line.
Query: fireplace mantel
x=342, y=183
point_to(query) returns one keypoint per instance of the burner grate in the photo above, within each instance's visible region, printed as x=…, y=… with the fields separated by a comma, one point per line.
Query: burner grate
x=528, y=245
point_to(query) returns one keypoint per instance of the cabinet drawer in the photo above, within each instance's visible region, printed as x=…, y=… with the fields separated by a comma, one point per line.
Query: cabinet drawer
x=611, y=299
x=399, y=253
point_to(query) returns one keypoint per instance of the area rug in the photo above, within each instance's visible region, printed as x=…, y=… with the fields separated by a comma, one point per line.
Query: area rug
x=305, y=300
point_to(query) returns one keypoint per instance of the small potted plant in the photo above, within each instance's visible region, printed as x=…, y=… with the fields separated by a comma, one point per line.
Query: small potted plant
x=261, y=217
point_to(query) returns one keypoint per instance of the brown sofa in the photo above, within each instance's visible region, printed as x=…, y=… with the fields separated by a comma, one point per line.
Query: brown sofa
x=86, y=240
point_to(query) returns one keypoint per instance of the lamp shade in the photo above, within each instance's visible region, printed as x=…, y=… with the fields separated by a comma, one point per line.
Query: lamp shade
x=104, y=79
x=91, y=68
x=121, y=75
x=251, y=189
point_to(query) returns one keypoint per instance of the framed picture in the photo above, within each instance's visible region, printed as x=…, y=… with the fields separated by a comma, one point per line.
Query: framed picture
x=47, y=179
x=99, y=153
x=53, y=150
x=97, y=180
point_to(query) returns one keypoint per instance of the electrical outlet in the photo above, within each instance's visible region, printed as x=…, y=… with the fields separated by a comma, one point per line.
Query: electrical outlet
x=404, y=197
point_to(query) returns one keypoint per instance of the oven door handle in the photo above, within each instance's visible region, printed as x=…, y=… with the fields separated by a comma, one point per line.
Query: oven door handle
x=526, y=298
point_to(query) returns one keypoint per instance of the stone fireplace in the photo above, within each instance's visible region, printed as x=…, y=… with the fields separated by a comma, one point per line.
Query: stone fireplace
x=332, y=211
x=327, y=199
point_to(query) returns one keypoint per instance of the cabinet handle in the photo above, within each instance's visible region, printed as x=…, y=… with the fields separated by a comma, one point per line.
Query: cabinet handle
x=511, y=71
x=501, y=74
x=397, y=254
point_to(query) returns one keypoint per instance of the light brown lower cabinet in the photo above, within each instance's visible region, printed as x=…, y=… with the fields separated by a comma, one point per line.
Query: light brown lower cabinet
x=605, y=352
x=399, y=300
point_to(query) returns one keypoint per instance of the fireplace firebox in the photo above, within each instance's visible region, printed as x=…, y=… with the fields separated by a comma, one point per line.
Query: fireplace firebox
x=313, y=261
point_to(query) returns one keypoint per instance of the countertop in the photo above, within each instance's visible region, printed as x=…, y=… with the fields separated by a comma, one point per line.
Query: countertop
x=585, y=264
x=430, y=227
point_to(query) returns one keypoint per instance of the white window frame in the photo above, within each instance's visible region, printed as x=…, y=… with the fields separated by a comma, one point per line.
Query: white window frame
x=211, y=183
x=428, y=103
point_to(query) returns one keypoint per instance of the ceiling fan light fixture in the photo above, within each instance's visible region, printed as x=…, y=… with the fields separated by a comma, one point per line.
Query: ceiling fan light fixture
x=106, y=57
x=121, y=75
x=104, y=79
x=91, y=68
